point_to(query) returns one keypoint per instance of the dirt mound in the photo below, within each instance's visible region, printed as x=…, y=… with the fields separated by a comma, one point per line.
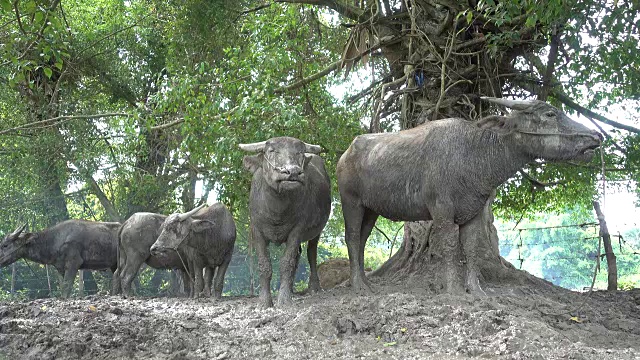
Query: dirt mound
x=333, y=272
x=394, y=323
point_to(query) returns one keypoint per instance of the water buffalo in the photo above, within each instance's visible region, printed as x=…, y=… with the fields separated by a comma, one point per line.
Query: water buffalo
x=290, y=201
x=445, y=171
x=68, y=246
x=211, y=233
x=137, y=235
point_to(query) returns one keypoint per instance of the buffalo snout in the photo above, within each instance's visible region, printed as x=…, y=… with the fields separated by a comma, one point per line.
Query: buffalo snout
x=598, y=135
x=157, y=250
x=290, y=170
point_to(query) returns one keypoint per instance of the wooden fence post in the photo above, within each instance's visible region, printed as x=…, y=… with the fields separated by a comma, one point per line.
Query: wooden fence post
x=612, y=268
x=46, y=267
x=13, y=278
x=81, y=283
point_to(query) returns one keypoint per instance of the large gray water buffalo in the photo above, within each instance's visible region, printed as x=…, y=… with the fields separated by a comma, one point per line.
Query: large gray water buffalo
x=137, y=235
x=445, y=171
x=211, y=233
x=290, y=201
x=68, y=246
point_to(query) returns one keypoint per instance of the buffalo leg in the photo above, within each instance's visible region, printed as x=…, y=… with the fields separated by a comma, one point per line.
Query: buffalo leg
x=287, y=270
x=218, y=281
x=368, y=222
x=116, y=279
x=198, y=283
x=447, y=233
x=469, y=245
x=264, y=266
x=70, y=271
x=295, y=268
x=208, y=277
x=128, y=274
x=353, y=218
x=312, y=256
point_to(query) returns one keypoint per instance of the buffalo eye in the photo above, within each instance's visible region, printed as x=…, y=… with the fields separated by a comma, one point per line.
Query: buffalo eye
x=550, y=114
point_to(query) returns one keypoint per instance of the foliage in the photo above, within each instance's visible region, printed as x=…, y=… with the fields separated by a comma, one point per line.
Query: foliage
x=558, y=249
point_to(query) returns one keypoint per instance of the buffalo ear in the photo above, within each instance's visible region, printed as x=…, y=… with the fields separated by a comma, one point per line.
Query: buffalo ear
x=496, y=123
x=201, y=225
x=307, y=159
x=252, y=162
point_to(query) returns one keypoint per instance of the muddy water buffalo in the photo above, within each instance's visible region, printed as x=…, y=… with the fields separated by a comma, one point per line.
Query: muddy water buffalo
x=290, y=201
x=211, y=233
x=68, y=246
x=445, y=171
x=137, y=235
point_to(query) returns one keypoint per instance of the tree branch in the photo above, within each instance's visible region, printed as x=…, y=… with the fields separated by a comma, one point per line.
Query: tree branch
x=340, y=7
x=335, y=65
x=537, y=182
x=590, y=114
x=111, y=211
x=180, y=121
x=254, y=9
x=59, y=119
x=307, y=80
x=551, y=63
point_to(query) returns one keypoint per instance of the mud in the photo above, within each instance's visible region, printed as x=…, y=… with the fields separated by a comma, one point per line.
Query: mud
x=397, y=322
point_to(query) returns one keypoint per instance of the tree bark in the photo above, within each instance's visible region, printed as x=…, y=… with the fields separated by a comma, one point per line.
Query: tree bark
x=111, y=211
x=612, y=267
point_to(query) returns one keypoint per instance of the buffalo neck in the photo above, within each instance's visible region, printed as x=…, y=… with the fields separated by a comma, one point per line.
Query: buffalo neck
x=276, y=205
x=41, y=249
x=501, y=157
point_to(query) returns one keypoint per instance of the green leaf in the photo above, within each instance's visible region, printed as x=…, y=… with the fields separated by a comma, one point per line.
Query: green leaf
x=38, y=17
x=6, y=5
x=469, y=17
x=48, y=72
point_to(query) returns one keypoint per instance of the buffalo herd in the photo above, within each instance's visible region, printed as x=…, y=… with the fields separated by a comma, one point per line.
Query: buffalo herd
x=443, y=171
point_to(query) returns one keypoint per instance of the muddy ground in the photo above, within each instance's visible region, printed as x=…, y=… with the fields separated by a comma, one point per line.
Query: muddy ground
x=398, y=322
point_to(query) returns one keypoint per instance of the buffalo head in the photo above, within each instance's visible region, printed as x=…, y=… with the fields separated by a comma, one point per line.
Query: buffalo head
x=176, y=228
x=14, y=246
x=543, y=131
x=283, y=161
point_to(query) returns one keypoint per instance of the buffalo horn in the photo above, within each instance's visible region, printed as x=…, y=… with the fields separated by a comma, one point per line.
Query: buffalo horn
x=255, y=147
x=512, y=104
x=18, y=230
x=313, y=149
x=187, y=215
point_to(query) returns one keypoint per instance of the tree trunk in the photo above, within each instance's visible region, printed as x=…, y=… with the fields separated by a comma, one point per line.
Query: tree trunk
x=422, y=254
x=612, y=267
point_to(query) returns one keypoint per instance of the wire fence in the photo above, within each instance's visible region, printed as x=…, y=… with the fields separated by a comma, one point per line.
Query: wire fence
x=567, y=255
x=26, y=279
